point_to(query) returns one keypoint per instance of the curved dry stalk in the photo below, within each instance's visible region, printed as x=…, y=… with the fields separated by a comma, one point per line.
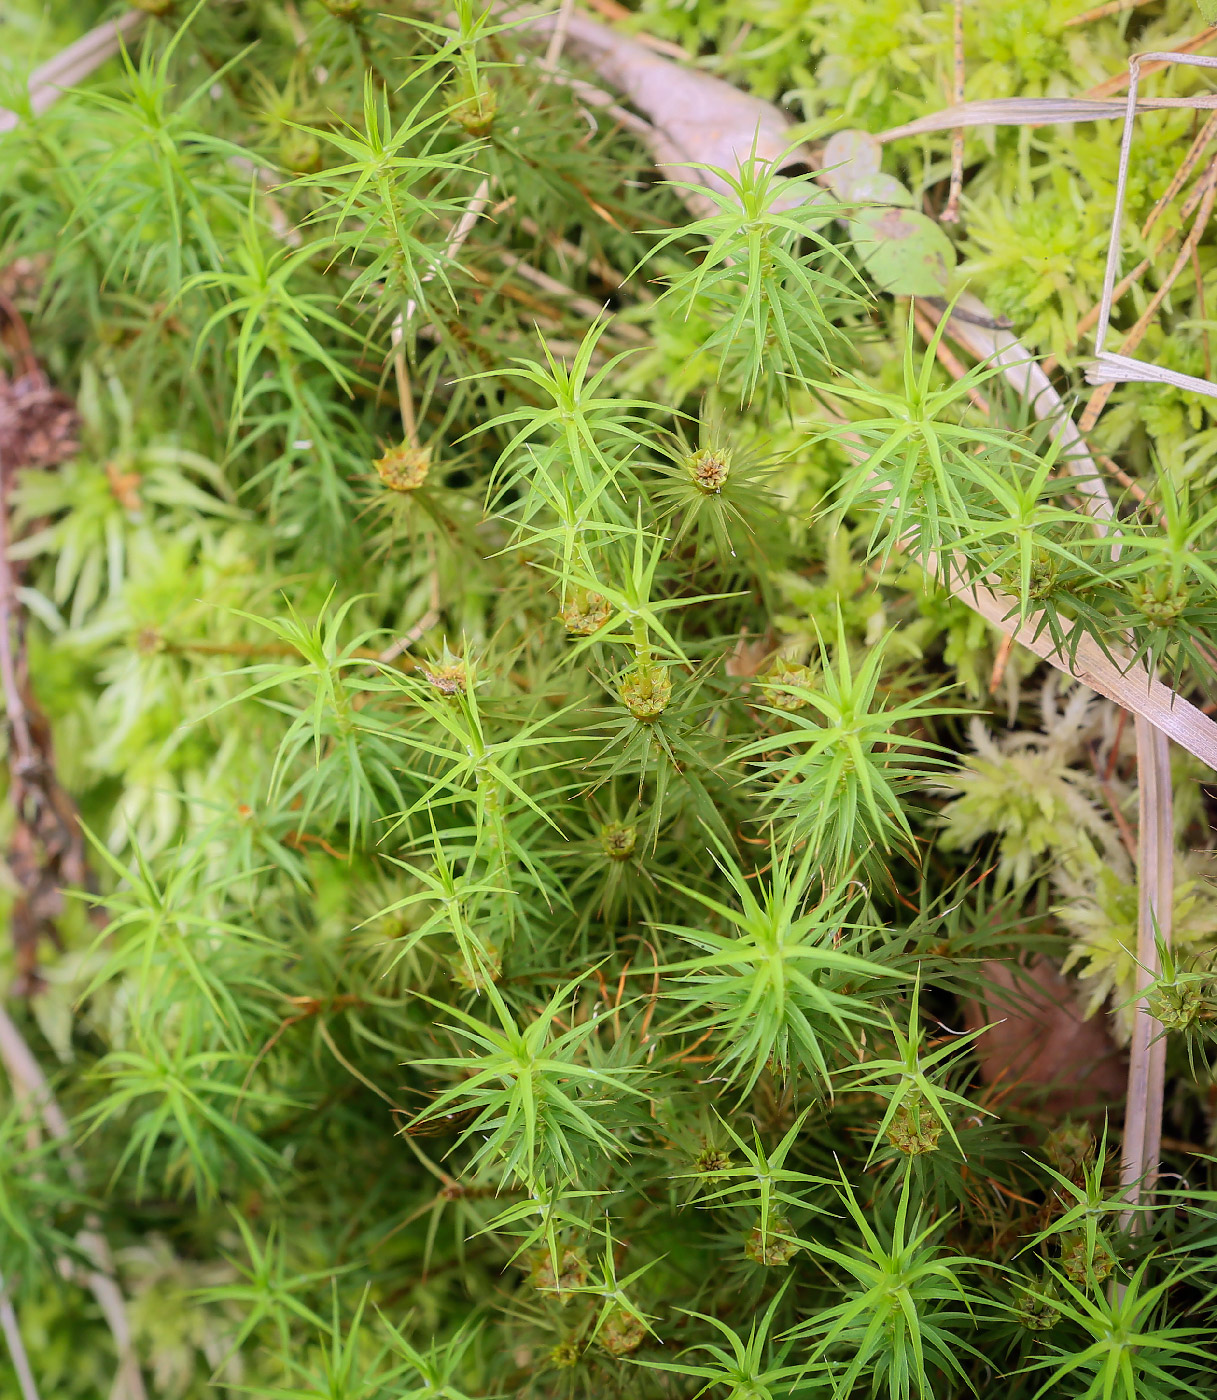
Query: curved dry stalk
x=16, y=1346
x=1119, y=81
x=76, y=62
x=1132, y=688
x=29, y=1083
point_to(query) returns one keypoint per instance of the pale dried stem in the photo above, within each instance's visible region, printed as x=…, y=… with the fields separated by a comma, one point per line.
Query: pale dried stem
x=1098, y=400
x=597, y=266
x=1147, y=1065
x=618, y=14
x=16, y=1346
x=584, y=306
x=456, y=241
x=557, y=40
x=73, y=64
x=30, y=1085
x=1155, y=893
x=1038, y=111
x=1119, y=81
x=1000, y=661
x=950, y=215
x=1198, y=274
x=1090, y=319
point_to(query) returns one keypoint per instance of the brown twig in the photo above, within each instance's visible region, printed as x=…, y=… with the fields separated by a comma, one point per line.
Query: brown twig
x=1098, y=400
x=1000, y=662
x=1090, y=319
x=1204, y=335
x=1119, y=81
x=1113, y=7
x=1180, y=177
x=46, y=850
x=950, y=215
x=456, y=240
x=618, y=14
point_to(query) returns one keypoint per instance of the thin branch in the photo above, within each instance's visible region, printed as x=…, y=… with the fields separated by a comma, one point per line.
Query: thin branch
x=1035, y=111
x=30, y=1084
x=16, y=1347
x=1113, y=7
x=1180, y=177
x=73, y=64
x=21, y=758
x=405, y=397
x=1119, y=81
x=1155, y=899
x=1091, y=318
x=557, y=40
x=1098, y=400
x=950, y=215
x=618, y=14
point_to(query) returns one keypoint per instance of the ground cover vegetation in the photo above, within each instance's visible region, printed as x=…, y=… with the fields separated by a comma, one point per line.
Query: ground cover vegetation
x=523, y=880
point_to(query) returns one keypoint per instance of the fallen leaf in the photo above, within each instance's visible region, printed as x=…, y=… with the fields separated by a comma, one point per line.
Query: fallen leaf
x=1040, y=1048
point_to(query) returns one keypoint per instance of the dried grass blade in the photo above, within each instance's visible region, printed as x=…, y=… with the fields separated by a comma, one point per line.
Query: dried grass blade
x=76, y=62
x=1131, y=687
x=30, y=1084
x=16, y=1346
x=1119, y=81
x=1155, y=897
x=1035, y=111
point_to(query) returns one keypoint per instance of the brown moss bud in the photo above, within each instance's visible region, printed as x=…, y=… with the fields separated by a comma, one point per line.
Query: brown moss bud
x=709, y=469
x=585, y=612
x=1069, y=1146
x=711, y=1162
x=475, y=974
x=300, y=151
x=1159, y=601
x=1080, y=1263
x=404, y=468
x=1176, y=1005
x=449, y=678
x=565, y=1355
x=645, y=690
x=622, y=1333
x=775, y=1247
x=571, y=1273
x=1037, y=1314
x=915, y=1128
x=786, y=673
x=617, y=840
x=476, y=113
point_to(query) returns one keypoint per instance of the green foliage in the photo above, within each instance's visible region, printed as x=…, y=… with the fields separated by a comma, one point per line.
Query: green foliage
x=493, y=629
